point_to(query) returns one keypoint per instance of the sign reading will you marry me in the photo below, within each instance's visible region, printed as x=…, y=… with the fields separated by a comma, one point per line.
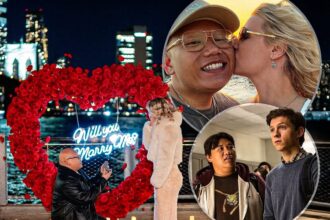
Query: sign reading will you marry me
x=110, y=136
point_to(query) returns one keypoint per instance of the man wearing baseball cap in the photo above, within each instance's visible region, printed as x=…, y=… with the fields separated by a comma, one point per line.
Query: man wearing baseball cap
x=199, y=57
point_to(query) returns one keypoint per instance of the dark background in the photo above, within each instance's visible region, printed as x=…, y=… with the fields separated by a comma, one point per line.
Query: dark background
x=87, y=28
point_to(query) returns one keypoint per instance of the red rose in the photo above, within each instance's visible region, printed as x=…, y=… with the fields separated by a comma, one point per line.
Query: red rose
x=29, y=68
x=121, y=58
x=47, y=140
x=103, y=198
x=27, y=196
x=68, y=55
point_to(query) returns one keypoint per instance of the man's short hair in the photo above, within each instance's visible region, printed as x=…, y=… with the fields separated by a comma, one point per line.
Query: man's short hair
x=213, y=141
x=296, y=119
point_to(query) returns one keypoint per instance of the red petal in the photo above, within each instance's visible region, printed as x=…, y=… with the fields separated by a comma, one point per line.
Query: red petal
x=47, y=140
x=121, y=58
x=68, y=55
x=29, y=68
x=2, y=139
x=27, y=196
x=124, y=166
x=141, y=111
x=4, y=158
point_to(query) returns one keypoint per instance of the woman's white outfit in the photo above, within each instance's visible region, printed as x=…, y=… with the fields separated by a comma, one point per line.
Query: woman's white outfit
x=163, y=140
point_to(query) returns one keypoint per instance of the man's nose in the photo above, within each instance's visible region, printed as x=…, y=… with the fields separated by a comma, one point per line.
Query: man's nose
x=277, y=133
x=210, y=47
x=227, y=150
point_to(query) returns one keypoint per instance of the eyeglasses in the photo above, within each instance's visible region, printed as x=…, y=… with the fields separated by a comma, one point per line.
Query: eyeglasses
x=74, y=157
x=194, y=41
x=245, y=34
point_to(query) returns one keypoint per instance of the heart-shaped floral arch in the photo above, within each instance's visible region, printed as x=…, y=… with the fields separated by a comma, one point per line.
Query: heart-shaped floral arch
x=88, y=90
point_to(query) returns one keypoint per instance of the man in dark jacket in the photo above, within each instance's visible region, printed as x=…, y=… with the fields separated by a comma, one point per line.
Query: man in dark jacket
x=74, y=193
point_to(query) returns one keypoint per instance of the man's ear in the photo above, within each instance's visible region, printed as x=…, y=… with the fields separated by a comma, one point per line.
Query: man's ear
x=300, y=132
x=234, y=42
x=278, y=51
x=209, y=158
x=169, y=70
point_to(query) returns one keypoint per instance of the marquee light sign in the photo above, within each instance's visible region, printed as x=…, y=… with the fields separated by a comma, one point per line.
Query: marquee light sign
x=114, y=139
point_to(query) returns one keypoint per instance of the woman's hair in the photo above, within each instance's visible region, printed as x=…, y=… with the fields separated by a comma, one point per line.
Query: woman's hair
x=293, y=31
x=167, y=107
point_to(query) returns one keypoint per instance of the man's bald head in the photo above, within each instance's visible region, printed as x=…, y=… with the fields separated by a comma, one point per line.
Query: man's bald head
x=70, y=159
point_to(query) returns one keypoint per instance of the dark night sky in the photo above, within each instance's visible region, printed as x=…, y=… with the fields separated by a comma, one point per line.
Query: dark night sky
x=87, y=28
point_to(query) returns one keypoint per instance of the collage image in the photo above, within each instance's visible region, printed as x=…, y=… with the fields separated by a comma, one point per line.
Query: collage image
x=232, y=124
x=253, y=157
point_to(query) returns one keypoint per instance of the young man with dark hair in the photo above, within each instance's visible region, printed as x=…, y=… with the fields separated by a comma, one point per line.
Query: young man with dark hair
x=290, y=185
x=226, y=189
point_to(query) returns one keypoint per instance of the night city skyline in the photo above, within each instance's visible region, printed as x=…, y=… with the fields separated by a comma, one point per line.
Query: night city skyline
x=91, y=38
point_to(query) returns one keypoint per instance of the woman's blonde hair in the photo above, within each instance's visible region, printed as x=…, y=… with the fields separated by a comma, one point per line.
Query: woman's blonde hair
x=293, y=31
x=167, y=107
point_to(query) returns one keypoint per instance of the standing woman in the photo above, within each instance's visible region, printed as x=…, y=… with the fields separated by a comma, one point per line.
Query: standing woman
x=163, y=138
x=278, y=50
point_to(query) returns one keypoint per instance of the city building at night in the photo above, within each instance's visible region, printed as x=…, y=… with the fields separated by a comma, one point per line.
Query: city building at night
x=2, y=101
x=135, y=46
x=320, y=109
x=36, y=32
x=3, y=34
x=18, y=58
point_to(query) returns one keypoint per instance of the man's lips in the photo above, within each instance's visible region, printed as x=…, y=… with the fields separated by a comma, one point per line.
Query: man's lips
x=214, y=66
x=229, y=158
x=277, y=141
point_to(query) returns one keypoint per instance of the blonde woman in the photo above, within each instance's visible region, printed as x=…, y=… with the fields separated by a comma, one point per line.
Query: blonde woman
x=163, y=138
x=278, y=50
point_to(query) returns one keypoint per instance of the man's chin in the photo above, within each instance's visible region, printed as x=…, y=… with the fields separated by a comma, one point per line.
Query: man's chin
x=211, y=86
x=279, y=147
x=230, y=162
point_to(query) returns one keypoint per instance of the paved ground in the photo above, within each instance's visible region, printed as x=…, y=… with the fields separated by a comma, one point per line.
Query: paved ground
x=144, y=212
x=185, y=212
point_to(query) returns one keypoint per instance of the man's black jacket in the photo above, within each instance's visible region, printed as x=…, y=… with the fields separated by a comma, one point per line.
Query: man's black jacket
x=74, y=195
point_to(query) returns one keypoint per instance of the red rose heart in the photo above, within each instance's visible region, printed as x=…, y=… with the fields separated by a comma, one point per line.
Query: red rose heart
x=88, y=90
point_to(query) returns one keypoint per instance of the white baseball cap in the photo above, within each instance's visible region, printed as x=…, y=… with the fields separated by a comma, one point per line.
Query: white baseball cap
x=202, y=10
x=205, y=10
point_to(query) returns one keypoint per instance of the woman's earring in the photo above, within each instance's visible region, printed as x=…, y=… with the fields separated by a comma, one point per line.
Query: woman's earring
x=273, y=64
